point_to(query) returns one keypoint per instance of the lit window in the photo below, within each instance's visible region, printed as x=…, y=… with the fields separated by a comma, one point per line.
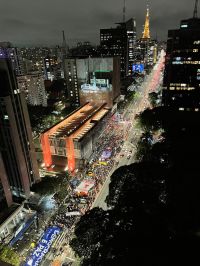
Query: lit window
x=6, y=117
x=16, y=91
x=181, y=109
x=184, y=26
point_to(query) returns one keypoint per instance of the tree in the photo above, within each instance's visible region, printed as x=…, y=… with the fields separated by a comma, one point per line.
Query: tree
x=151, y=119
x=153, y=216
x=50, y=184
x=8, y=255
x=144, y=146
x=108, y=237
x=153, y=98
x=89, y=232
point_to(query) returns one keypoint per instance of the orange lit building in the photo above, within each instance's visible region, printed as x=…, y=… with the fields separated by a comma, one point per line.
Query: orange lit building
x=70, y=142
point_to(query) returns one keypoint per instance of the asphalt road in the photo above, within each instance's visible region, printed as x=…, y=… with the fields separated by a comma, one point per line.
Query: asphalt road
x=131, y=138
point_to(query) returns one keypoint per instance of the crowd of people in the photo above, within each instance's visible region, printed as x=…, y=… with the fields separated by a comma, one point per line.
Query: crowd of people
x=99, y=168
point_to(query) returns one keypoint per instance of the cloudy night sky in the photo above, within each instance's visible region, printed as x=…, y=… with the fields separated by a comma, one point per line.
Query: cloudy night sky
x=41, y=21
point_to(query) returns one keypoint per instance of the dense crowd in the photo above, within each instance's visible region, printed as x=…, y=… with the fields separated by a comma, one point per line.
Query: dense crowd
x=111, y=139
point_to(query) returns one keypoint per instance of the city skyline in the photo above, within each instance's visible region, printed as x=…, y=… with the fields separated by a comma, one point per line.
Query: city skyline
x=29, y=23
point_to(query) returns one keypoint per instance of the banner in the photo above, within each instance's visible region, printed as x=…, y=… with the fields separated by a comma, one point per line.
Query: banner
x=43, y=247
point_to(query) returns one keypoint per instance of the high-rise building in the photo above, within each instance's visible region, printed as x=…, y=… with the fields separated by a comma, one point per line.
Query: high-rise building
x=181, y=85
x=120, y=41
x=70, y=72
x=82, y=73
x=18, y=165
x=33, y=87
x=15, y=56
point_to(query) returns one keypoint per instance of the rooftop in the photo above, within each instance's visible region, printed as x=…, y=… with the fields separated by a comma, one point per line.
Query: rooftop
x=79, y=122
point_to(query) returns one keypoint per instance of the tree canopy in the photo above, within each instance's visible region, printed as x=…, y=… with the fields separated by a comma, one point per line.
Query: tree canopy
x=153, y=213
x=51, y=184
x=8, y=255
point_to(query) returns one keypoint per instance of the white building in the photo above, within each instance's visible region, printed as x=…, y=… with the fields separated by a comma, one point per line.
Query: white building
x=33, y=86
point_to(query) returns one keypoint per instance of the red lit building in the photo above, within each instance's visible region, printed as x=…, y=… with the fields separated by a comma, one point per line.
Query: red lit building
x=70, y=142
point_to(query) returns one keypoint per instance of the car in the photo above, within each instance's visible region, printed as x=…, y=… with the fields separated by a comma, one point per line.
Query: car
x=129, y=156
x=121, y=155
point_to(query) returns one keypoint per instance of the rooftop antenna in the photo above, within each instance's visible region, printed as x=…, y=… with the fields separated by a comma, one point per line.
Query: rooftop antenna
x=124, y=11
x=64, y=44
x=195, y=9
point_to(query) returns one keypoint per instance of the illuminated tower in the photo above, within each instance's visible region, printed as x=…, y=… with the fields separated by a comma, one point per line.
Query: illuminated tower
x=146, y=32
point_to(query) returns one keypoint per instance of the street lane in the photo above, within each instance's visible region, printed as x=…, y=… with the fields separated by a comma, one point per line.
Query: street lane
x=150, y=84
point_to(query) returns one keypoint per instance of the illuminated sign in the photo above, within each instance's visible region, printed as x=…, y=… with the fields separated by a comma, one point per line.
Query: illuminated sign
x=184, y=26
x=99, y=81
x=198, y=74
x=138, y=68
x=43, y=247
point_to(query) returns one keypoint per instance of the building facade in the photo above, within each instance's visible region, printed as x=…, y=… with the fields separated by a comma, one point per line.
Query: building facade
x=19, y=169
x=18, y=65
x=181, y=85
x=33, y=87
x=120, y=41
x=81, y=74
x=69, y=143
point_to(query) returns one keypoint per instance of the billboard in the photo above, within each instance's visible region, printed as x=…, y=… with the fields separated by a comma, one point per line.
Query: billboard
x=43, y=247
x=138, y=68
x=99, y=81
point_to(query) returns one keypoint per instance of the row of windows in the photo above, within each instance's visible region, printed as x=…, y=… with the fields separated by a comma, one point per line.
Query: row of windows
x=188, y=109
x=182, y=88
x=185, y=51
x=178, y=84
x=186, y=62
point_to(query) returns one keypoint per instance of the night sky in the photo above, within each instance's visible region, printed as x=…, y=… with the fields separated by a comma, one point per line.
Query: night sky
x=41, y=21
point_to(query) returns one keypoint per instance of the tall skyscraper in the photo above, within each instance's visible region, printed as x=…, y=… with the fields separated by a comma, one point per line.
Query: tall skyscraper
x=15, y=56
x=182, y=70
x=18, y=165
x=120, y=41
